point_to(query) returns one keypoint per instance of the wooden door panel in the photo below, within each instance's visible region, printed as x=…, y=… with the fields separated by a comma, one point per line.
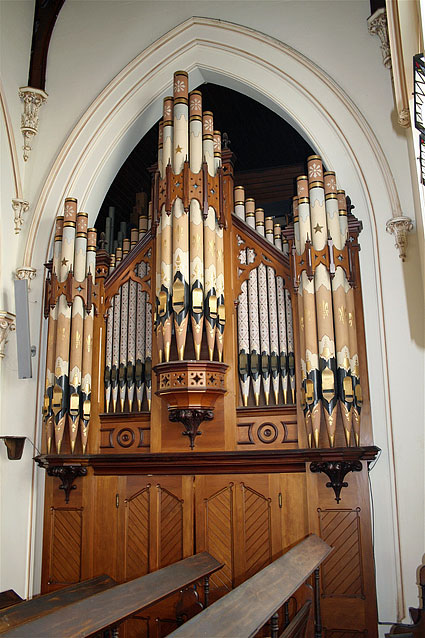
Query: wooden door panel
x=137, y=533
x=256, y=521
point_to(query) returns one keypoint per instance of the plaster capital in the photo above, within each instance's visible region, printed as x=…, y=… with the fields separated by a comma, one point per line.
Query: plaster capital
x=399, y=227
x=26, y=272
x=20, y=206
x=377, y=25
x=32, y=99
x=7, y=324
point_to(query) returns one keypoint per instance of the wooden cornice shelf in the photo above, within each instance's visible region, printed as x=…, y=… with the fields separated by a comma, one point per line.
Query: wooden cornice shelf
x=249, y=462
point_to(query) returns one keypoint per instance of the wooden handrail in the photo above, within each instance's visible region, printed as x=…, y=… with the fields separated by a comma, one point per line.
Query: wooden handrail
x=244, y=610
x=28, y=610
x=108, y=608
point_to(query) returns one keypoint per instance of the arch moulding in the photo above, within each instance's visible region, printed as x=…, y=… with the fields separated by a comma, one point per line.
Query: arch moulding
x=275, y=75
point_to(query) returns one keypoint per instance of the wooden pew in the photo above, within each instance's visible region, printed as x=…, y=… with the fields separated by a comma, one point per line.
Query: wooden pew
x=108, y=608
x=40, y=606
x=246, y=609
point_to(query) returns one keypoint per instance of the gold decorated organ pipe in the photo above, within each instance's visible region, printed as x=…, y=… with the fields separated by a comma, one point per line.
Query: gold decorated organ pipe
x=340, y=288
x=323, y=294
x=63, y=332
x=210, y=272
x=263, y=304
x=273, y=320
x=76, y=349
x=140, y=337
x=312, y=387
x=290, y=333
x=250, y=212
x=86, y=381
x=51, y=340
x=148, y=348
x=243, y=318
x=221, y=313
x=196, y=226
x=139, y=372
x=132, y=328
x=239, y=199
x=122, y=372
x=166, y=269
x=160, y=148
x=150, y=207
x=354, y=363
x=116, y=339
x=300, y=305
x=254, y=328
x=180, y=297
x=243, y=337
x=108, y=345
x=259, y=221
x=281, y=321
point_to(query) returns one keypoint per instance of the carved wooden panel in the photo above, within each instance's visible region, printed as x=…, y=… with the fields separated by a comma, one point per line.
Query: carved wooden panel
x=124, y=433
x=257, y=530
x=218, y=511
x=272, y=428
x=342, y=571
x=137, y=534
x=170, y=527
x=65, y=545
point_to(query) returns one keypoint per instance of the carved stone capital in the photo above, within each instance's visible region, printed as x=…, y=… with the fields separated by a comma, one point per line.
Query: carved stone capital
x=32, y=99
x=20, y=206
x=7, y=324
x=399, y=227
x=404, y=118
x=26, y=272
x=377, y=25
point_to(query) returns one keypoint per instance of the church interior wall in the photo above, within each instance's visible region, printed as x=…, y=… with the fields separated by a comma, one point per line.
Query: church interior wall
x=91, y=43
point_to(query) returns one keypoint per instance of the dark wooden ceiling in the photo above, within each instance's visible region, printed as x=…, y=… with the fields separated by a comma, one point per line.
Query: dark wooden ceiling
x=260, y=139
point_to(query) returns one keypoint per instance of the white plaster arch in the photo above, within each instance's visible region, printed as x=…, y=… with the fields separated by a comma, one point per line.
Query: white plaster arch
x=273, y=74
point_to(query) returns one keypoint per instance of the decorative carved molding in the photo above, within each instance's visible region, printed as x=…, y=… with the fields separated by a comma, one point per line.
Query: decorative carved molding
x=67, y=475
x=26, y=272
x=32, y=99
x=191, y=419
x=20, y=206
x=404, y=118
x=7, y=324
x=377, y=25
x=399, y=227
x=336, y=471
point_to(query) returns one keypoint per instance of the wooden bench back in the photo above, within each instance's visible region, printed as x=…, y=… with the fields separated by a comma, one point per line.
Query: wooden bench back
x=244, y=610
x=95, y=613
x=47, y=603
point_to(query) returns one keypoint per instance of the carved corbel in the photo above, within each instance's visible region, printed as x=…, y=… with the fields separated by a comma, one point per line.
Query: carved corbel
x=26, y=272
x=7, y=324
x=67, y=475
x=377, y=25
x=399, y=227
x=20, y=206
x=336, y=471
x=32, y=100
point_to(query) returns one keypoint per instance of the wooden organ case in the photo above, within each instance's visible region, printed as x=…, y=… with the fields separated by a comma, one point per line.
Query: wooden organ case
x=206, y=385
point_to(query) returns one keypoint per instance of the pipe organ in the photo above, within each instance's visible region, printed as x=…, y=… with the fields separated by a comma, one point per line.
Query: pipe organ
x=206, y=381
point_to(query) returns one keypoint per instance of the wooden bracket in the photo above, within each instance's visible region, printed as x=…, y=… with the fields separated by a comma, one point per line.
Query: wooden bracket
x=67, y=475
x=336, y=471
x=191, y=419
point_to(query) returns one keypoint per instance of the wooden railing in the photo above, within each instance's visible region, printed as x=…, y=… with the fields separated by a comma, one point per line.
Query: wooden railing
x=246, y=609
x=109, y=608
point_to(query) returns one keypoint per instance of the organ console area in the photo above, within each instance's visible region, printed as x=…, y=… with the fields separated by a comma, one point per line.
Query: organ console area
x=206, y=384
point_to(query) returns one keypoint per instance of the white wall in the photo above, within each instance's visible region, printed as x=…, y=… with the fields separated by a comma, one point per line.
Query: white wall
x=91, y=43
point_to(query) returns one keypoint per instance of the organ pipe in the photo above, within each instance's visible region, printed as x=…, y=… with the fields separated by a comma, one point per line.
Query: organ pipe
x=76, y=350
x=86, y=381
x=61, y=389
x=51, y=343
